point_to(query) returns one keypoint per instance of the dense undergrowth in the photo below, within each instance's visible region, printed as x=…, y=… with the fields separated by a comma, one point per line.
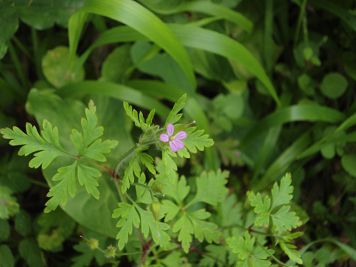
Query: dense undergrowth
x=177, y=133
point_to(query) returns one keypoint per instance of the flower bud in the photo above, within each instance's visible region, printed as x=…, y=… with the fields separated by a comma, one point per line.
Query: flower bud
x=93, y=243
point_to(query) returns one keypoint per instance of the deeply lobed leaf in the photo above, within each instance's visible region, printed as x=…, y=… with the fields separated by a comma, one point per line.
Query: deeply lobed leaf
x=211, y=187
x=197, y=140
x=128, y=218
x=138, y=118
x=44, y=146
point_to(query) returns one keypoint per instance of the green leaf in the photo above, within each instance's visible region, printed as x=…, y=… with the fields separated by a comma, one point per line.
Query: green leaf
x=301, y=112
x=90, y=146
x=23, y=223
x=117, y=91
x=207, y=40
x=9, y=20
x=292, y=252
x=149, y=25
x=148, y=60
x=43, y=14
x=54, y=229
x=68, y=178
x=282, y=194
x=45, y=145
x=337, y=9
x=242, y=246
x=176, y=188
x=346, y=248
x=13, y=173
x=195, y=224
x=204, y=230
x=7, y=259
x=8, y=203
x=285, y=219
x=217, y=43
x=3, y=50
x=276, y=208
x=31, y=253
x=185, y=230
x=132, y=170
x=88, y=177
x=348, y=163
x=174, y=116
x=283, y=161
x=116, y=65
x=248, y=252
x=262, y=205
x=138, y=118
x=148, y=162
x=170, y=210
x=45, y=104
x=197, y=140
x=230, y=211
x=4, y=230
x=88, y=142
x=211, y=187
x=90, y=129
x=60, y=68
x=328, y=151
x=169, y=165
x=149, y=224
x=231, y=105
x=86, y=256
x=175, y=259
x=204, y=7
x=214, y=256
x=90, y=249
x=333, y=85
x=144, y=193
x=66, y=188
x=128, y=218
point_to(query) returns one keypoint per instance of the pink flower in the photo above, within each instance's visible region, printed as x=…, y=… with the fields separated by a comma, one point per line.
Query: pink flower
x=175, y=141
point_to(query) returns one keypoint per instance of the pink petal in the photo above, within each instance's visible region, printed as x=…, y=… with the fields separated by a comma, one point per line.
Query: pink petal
x=170, y=129
x=164, y=138
x=176, y=145
x=181, y=135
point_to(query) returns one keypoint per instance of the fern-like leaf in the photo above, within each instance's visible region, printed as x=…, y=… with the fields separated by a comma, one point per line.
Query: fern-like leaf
x=138, y=118
x=44, y=146
x=197, y=140
x=128, y=219
x=175, y=115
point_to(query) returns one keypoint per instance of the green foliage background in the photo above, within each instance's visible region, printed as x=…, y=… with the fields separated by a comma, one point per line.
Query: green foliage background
x=272, y=82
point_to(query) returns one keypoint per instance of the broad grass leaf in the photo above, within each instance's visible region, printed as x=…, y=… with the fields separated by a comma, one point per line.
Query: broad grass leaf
x=149, y=25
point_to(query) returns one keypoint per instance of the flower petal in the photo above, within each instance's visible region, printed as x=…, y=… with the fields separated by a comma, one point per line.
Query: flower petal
x=181, y=135
x=164, y=138
x=170, y=129
x=176, y=145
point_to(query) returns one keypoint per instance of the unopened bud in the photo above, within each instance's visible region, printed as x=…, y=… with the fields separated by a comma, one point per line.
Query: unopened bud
x=93, y=243
x=110, y=252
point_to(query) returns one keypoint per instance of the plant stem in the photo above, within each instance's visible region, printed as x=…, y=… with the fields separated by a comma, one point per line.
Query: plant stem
x=20, y=72
x=121, y=161
x=130, y=152
x=37, y=56
x=300, y=20
x=249, y=230
x=121, y=195
x=33, y=181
